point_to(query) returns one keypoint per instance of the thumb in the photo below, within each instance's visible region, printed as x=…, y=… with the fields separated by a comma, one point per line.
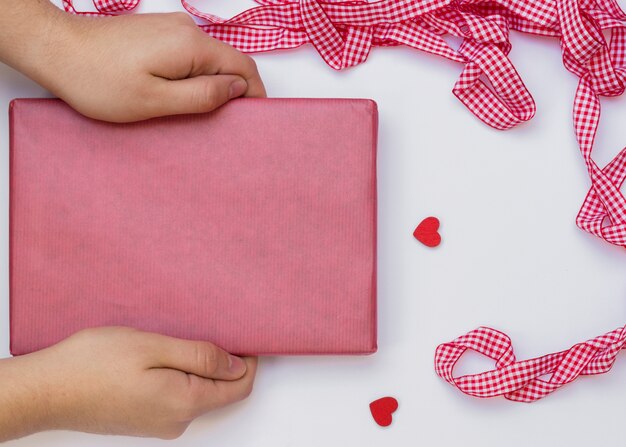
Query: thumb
x=200, y=358
x=198, y=94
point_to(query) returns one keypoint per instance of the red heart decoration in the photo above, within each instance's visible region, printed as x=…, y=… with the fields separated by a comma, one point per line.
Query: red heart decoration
x=426, y=232
x=382, y=409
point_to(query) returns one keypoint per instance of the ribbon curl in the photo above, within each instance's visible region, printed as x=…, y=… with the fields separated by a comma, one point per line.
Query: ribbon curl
x=525, y=381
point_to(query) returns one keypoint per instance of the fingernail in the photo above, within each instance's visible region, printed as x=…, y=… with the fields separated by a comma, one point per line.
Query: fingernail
x=237, y=88
x=236, y=365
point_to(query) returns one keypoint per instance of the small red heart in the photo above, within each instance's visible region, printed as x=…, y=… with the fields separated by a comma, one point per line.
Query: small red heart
x=382, y=409
x=426, y=232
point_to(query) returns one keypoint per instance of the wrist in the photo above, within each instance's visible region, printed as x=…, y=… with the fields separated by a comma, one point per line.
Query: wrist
x=48, y=52
x=33, y=34
x=24, y=401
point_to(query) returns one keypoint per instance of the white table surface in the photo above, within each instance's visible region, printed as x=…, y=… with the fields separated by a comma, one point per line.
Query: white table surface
x=512, y=258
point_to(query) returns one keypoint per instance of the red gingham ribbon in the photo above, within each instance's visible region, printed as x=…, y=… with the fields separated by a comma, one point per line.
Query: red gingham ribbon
x=104, y=7
x=521, y=381
x=343, y=33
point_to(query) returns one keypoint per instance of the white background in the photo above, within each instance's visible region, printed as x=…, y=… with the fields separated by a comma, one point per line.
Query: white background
x=511, y=258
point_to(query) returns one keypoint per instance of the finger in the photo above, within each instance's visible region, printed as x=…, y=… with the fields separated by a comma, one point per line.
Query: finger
x=213, y=394
x=221, y=58
x=196, y=95
x=200, y=358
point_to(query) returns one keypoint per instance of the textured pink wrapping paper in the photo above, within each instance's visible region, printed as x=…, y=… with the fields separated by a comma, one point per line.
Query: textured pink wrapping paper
x=253, y=226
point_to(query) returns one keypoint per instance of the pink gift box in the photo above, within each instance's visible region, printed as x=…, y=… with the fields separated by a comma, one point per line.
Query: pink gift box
x=253, y=226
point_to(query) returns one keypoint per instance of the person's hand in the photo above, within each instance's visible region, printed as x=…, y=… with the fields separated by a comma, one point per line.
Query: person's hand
x=134, y=67
x=123, y=381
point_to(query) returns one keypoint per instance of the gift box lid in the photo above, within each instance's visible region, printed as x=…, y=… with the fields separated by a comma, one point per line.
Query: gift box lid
x=253, y=226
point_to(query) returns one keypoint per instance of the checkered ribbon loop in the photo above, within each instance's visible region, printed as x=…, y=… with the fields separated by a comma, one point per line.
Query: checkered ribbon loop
x=104, y=7
x=528, y=380
x=603, y=73
x=512, y=105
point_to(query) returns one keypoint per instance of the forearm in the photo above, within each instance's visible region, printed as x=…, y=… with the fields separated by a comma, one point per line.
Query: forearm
x=29, y=30
x=22, y=399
